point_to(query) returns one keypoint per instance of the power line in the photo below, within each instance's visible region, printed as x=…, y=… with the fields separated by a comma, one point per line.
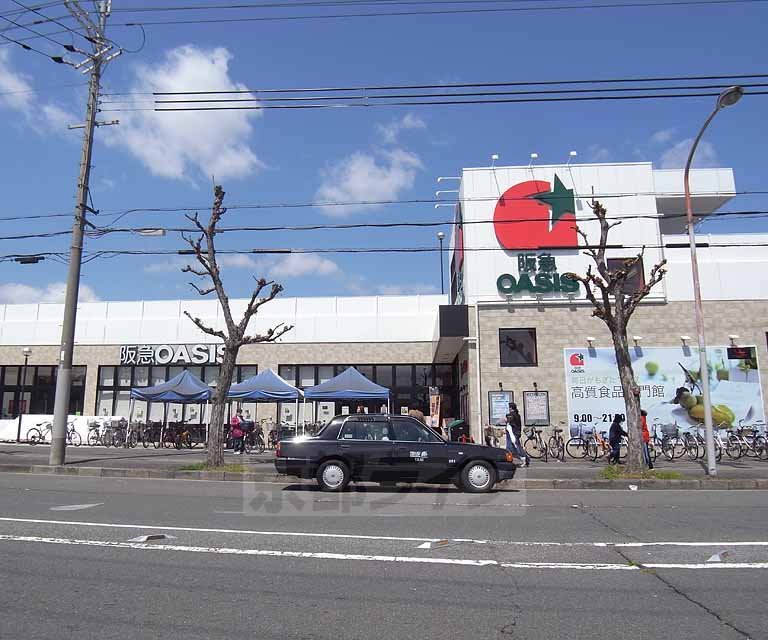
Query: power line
x=363, y=203
x=567, y=7
x=466, y=85
x=410, y=103
x=54, y=20
x=102, y=231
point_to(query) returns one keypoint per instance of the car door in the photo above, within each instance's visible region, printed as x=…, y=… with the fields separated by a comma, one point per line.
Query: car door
x=419, y=455
x=366, y=443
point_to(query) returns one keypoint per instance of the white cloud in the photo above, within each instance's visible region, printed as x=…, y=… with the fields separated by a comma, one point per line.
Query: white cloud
x=390, y=131
x=663, y=136
x=676, y=156
x=199, y=143
x=598, y=153
x=238, y=261
x=17, y=94
x=405, y=289
x=166, y=266
x=15, y=91
x=302, y=264
x=16, y=293
x=364, y=177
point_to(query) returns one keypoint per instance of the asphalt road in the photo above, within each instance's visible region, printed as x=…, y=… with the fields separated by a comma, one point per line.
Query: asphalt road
x=140, y=458
x=266, y=560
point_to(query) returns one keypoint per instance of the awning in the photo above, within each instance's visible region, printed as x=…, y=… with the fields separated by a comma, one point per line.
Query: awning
x=348, y=385
x=267, y=386
x=181, y=388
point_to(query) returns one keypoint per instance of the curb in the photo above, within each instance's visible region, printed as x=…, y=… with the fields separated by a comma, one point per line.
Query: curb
x=729, y=484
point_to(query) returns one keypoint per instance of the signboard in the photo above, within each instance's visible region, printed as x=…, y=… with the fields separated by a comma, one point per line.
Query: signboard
x=537, y=273
x=742, y=353
x=595, y=395
x=147, y=354
x=325, y=411
x=498, y=406
x=536, y=408
x=434, y=407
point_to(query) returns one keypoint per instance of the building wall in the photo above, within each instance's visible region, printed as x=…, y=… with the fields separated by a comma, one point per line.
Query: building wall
x=263, y=355
x=560, y=327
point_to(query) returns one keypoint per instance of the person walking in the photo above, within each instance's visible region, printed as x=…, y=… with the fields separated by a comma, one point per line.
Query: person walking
x=646, y=438
x=236, y=432
x=514, y=432
x=614, y=439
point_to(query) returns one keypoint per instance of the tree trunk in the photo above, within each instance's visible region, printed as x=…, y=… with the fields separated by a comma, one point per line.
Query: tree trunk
x=215, y=456
x=635, y=459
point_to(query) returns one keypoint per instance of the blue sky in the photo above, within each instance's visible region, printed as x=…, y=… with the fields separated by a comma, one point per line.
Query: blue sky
x=387, y=153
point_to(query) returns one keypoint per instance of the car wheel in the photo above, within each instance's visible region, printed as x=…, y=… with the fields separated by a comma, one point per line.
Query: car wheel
x=333, y=475
x=478, y=477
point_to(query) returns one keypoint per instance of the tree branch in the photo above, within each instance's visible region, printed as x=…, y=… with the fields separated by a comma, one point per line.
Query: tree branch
x=205, y=329
x=202, y=292
x=272, y=334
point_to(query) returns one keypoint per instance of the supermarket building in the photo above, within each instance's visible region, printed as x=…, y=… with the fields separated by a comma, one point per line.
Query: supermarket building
x=511, y=328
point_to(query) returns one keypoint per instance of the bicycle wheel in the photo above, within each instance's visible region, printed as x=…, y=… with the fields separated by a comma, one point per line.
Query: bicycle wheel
x=133, y=439
x=761, y=447
x=74, y=438
x=555, y=445
x=34, y=436
x=260, y=445
x=534, y=448
x=593, y=450
x=733, y=448
x=668, y=448
x=156, y=443
x=623, y=450
x=145, y=442
x=654, y=446
x=576, y=448
x=691, y=449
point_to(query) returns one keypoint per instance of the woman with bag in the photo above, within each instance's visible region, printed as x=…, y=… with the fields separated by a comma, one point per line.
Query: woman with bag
x=236, y=432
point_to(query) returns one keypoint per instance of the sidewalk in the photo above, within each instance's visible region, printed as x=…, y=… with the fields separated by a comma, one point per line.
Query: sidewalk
x=167, y=463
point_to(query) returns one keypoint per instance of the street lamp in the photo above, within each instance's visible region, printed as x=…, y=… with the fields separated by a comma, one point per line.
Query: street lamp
x=27, y=352
x=441, y=237
x=727, y=98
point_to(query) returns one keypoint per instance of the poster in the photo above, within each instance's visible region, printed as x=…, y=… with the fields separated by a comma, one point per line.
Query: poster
x=498, y=406
x=434, y=407
x=536, y=408
x=595, y=395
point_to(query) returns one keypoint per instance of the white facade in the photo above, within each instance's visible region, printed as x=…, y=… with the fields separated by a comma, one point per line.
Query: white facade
x=626, y=191
x=315, y=320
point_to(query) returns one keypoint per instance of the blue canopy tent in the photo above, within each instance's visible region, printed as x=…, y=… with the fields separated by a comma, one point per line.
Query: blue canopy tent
x=267, y=386
x=183, y=389
x=350, y=384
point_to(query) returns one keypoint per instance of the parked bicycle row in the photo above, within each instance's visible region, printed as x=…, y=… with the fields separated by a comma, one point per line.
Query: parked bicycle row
x=667, y=440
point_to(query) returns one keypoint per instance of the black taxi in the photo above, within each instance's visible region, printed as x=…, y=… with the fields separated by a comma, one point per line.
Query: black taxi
x=388, y=449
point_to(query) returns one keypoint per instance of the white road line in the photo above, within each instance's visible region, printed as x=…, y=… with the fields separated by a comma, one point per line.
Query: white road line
x=76, y=507
x=314, y=555
x=350, y=536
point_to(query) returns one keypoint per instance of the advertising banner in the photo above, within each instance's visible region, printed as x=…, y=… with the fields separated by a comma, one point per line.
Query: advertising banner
x=498, y=406
x=669, y=383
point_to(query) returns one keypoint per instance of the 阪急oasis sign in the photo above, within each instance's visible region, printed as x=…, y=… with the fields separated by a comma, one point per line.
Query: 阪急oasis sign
x=148, y=354
x=536, y=274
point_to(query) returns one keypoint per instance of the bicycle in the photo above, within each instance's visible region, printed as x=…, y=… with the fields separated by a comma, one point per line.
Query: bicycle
x=752, y=444
x=39, y=434
x=576, y=447
x=598, y=446
x=534, y=445
x=556, y=444
x=672, y=445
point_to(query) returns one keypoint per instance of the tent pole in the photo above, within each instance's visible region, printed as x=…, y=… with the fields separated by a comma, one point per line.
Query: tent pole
x=165, y=423
x=297, y=415
x=207, y=423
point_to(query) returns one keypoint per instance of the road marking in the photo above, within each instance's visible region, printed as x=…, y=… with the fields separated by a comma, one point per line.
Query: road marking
x=76, y=507
x=315, y=555
x=350, y=536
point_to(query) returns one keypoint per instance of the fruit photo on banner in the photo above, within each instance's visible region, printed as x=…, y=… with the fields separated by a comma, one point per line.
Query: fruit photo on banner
x=669, y=382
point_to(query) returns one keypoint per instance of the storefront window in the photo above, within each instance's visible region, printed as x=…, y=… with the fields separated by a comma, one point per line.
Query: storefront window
x=158, y=375
x=306, y=376
x=211, y=375
x=106, y=376
x=324, y=373
x=248, y=371
x=366, y=370
x=384, y=375
x=517, y=348
x=444, y=375
x=141, y=375
x=104, y=402
x=288, y=373
x=39, y=392
x=403, y=376
x=124, y=376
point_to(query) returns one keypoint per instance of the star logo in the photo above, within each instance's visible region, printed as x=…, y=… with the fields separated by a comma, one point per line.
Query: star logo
x=559, y=199
x=535, y=214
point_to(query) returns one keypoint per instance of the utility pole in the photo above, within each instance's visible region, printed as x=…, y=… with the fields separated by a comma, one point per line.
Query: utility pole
x=96, y=59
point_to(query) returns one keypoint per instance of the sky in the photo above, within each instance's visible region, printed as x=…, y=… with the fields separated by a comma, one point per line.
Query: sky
x=378, y=153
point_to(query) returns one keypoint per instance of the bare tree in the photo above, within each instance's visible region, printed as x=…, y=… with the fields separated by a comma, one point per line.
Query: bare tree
x=614, y=303
x=234, y=335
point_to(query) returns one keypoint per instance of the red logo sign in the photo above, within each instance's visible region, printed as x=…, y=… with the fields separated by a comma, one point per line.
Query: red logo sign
x=577, y=359
x=536, y=214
